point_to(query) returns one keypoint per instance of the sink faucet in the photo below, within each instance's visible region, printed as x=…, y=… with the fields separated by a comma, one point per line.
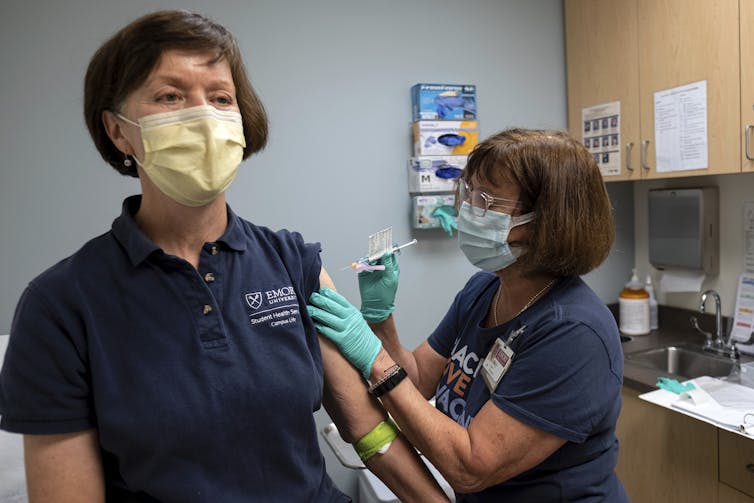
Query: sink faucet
x=721, y=343
x=718, y=315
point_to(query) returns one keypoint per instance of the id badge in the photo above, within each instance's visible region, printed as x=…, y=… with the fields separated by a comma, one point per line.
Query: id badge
x=496, y=363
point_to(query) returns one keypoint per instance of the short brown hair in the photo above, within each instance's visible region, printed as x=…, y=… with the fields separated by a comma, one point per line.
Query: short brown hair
x=558, y=179
x=125, y=61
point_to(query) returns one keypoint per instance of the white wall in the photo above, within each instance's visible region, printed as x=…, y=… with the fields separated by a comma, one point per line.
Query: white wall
x=607, y=280
x=335, y=77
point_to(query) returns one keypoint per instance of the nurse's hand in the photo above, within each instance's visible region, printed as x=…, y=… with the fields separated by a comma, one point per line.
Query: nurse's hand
x=446, y=215
x=342, y=323
x=378, y=289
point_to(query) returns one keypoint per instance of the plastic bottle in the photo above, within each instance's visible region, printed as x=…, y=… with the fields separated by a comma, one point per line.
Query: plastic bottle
x=633, y=308
x=653, y=320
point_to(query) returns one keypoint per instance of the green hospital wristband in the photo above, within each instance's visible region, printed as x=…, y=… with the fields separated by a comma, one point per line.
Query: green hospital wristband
x=376, y=440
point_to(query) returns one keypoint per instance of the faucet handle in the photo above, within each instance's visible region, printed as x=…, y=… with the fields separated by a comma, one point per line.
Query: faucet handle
x=707, y=335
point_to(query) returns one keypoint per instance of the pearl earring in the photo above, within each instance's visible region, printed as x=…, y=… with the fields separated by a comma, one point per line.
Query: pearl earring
x=127, y=162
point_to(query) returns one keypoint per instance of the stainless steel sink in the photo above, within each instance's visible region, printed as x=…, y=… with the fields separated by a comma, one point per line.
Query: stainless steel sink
x=688, y=362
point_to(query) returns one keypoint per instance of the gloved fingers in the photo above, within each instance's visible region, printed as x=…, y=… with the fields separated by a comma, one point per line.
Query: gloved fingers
x=445, y=211
x=325, y=317
x=390, y=261
x=391, y=267
x=334, y=296
x=380, y=260
x=331, y=301
x=327, y=331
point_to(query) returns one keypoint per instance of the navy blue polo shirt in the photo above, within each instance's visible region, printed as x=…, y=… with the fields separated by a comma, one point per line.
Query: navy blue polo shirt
x=201, y=383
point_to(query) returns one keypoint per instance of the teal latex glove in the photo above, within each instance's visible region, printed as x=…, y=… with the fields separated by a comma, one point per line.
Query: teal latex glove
x=342, y=323
x=673, y=385
x=447, y=217
x=378, y=288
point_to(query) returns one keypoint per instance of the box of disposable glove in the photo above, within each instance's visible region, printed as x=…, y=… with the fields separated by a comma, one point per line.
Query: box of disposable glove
x=443, y=102
x=445, y=137
x=437, y=173
x=424, y=207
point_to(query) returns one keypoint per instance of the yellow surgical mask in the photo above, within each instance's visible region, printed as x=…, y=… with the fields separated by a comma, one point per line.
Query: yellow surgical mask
x=192, y=154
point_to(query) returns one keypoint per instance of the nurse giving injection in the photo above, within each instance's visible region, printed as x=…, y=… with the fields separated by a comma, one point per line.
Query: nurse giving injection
x=526, y=365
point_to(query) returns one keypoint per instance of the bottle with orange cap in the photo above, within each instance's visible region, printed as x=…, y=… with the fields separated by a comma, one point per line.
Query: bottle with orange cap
x=633, y=308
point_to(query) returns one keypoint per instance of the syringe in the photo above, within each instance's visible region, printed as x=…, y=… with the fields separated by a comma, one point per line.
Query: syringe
x=362, y=264
x=394, y=249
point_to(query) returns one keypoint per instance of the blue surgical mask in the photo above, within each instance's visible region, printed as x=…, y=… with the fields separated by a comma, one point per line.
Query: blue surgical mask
x=484, y=240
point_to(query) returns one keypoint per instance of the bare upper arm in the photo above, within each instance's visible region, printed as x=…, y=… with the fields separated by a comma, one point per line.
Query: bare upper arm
x=346, y=399
x=325, y=279
x=65, y=467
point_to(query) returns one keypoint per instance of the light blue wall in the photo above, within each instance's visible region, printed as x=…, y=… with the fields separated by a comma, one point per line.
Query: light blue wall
x=335, y=78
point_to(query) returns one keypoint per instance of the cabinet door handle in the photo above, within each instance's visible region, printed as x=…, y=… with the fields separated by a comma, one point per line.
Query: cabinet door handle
x=644, y=146
x=747, y=134
x=750, y=467
x=629, y=147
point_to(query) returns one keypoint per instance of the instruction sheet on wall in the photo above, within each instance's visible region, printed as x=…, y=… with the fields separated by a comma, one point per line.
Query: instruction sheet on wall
x=681, y=127
x=743, y=318
x=601, y=135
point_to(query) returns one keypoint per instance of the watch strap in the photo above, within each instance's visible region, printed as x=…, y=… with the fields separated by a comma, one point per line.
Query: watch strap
x=390, y=382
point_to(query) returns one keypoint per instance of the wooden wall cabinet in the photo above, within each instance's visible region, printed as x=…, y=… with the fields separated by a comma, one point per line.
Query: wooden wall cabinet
x=602, y=63
x=747, y=85
x=626, y=50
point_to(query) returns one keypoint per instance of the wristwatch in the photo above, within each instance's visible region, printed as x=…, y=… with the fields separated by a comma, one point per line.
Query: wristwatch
x=390, y=382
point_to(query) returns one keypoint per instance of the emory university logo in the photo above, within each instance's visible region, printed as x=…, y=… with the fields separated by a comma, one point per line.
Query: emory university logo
x=254, y=300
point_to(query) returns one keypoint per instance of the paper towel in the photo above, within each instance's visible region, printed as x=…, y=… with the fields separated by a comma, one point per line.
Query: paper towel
x=681, y=280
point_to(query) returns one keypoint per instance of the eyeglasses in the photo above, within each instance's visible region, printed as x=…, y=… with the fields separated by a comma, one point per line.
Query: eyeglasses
x=481, y=201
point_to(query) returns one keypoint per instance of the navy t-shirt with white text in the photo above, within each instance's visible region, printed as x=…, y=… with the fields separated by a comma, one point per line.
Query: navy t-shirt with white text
x=565, y=378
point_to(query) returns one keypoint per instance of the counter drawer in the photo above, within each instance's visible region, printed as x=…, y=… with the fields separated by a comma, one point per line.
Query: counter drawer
x=736, y=455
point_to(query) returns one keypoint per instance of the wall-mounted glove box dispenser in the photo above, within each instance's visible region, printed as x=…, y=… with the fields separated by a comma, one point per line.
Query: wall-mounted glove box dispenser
x=424, y=206
x=443, y=102
x=445, y=137
x=435, y=173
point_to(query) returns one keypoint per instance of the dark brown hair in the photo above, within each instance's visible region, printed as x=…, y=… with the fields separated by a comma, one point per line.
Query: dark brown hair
x=559, y=180
x=125, y=61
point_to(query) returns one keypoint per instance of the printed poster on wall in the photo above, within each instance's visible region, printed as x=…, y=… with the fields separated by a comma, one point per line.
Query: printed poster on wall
x=601, y=136
x=681, y=127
